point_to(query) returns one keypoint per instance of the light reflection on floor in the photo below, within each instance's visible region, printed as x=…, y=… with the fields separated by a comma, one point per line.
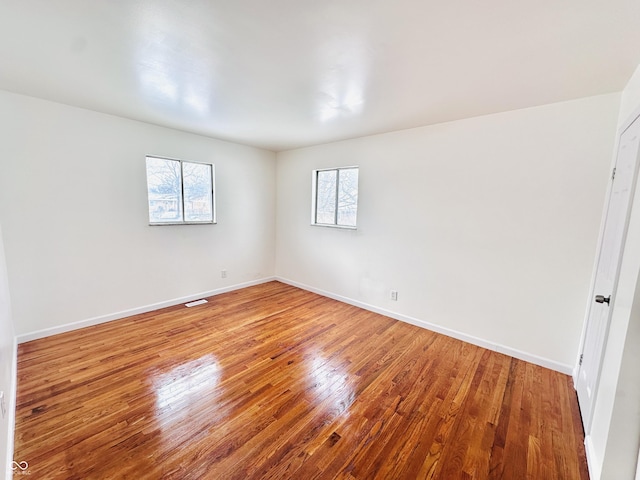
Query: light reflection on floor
x=331, y=383
x=180, y=384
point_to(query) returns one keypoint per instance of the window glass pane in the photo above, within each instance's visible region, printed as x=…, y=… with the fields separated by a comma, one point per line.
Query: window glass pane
x=326, y=197
x=348, y=197
x=198, y=197
x=164, y=180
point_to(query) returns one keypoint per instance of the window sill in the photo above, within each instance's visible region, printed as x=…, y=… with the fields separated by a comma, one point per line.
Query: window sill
x=341, y=227
x=180, y=223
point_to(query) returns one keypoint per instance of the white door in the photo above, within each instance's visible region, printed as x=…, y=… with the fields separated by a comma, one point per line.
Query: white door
x=607, y=270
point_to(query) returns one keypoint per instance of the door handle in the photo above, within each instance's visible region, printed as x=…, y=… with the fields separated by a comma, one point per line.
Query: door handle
x=603, y=299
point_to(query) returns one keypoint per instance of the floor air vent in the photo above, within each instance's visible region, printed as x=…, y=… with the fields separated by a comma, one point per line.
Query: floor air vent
x=197, y=302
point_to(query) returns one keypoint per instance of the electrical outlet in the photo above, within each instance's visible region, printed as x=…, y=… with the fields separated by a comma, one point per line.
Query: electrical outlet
x=394, y=295
x=223, y=273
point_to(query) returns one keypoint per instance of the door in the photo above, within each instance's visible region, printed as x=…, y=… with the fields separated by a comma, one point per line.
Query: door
x=607, y=270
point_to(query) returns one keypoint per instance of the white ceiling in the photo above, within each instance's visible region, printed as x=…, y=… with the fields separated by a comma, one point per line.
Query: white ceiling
x=281, y=74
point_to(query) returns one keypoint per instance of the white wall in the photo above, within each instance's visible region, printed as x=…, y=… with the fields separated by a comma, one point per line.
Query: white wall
x=614, y=438
x=630, y=99
x=486, y=226
x=73, y=206
x=7, y=369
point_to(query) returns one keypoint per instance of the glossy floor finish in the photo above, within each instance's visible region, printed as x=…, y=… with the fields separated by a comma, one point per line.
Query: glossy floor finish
x=276, y=382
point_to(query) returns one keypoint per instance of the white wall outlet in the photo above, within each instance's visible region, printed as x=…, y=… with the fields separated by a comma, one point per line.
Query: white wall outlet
x=223, y=273
x=394, y=295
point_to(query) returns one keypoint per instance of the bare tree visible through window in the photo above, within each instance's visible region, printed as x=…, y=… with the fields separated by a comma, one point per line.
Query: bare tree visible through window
x=179, y=192
x=197, y=179
x=336, y=197
x=326, y=196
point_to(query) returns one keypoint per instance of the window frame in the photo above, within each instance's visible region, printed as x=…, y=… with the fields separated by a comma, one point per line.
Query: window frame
x=314, y=203
x=213, y=220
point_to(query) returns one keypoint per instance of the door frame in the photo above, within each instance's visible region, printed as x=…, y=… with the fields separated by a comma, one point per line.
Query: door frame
x=587, y=422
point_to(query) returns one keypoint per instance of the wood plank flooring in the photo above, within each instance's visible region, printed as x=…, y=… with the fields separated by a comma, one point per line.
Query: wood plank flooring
x=273, y=382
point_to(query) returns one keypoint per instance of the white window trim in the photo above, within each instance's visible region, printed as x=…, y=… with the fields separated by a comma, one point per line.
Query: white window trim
x=314, y=197
x=214, y=219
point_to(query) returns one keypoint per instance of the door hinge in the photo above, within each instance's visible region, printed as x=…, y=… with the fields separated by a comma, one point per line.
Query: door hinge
x=581, y=357
x=613, y=174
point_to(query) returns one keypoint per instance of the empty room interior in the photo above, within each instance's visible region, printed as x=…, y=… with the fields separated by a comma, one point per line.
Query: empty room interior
x=293, y=239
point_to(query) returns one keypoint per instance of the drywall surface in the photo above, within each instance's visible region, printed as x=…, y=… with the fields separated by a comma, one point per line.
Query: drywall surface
x=486, y=226
x=630, y=100
x=73, y=205
x=7, y=373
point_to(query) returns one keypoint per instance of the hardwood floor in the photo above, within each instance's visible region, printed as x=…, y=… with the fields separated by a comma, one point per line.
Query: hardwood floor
x=276, y=382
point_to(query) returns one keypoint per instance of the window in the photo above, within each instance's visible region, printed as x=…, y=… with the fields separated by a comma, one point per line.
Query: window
x=179, y=192
x=335, y=197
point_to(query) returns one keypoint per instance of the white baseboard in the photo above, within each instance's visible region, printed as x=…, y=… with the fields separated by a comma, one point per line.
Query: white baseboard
x=528, y=357
x=27, y=337
x=595, y=469
x=544, y=362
